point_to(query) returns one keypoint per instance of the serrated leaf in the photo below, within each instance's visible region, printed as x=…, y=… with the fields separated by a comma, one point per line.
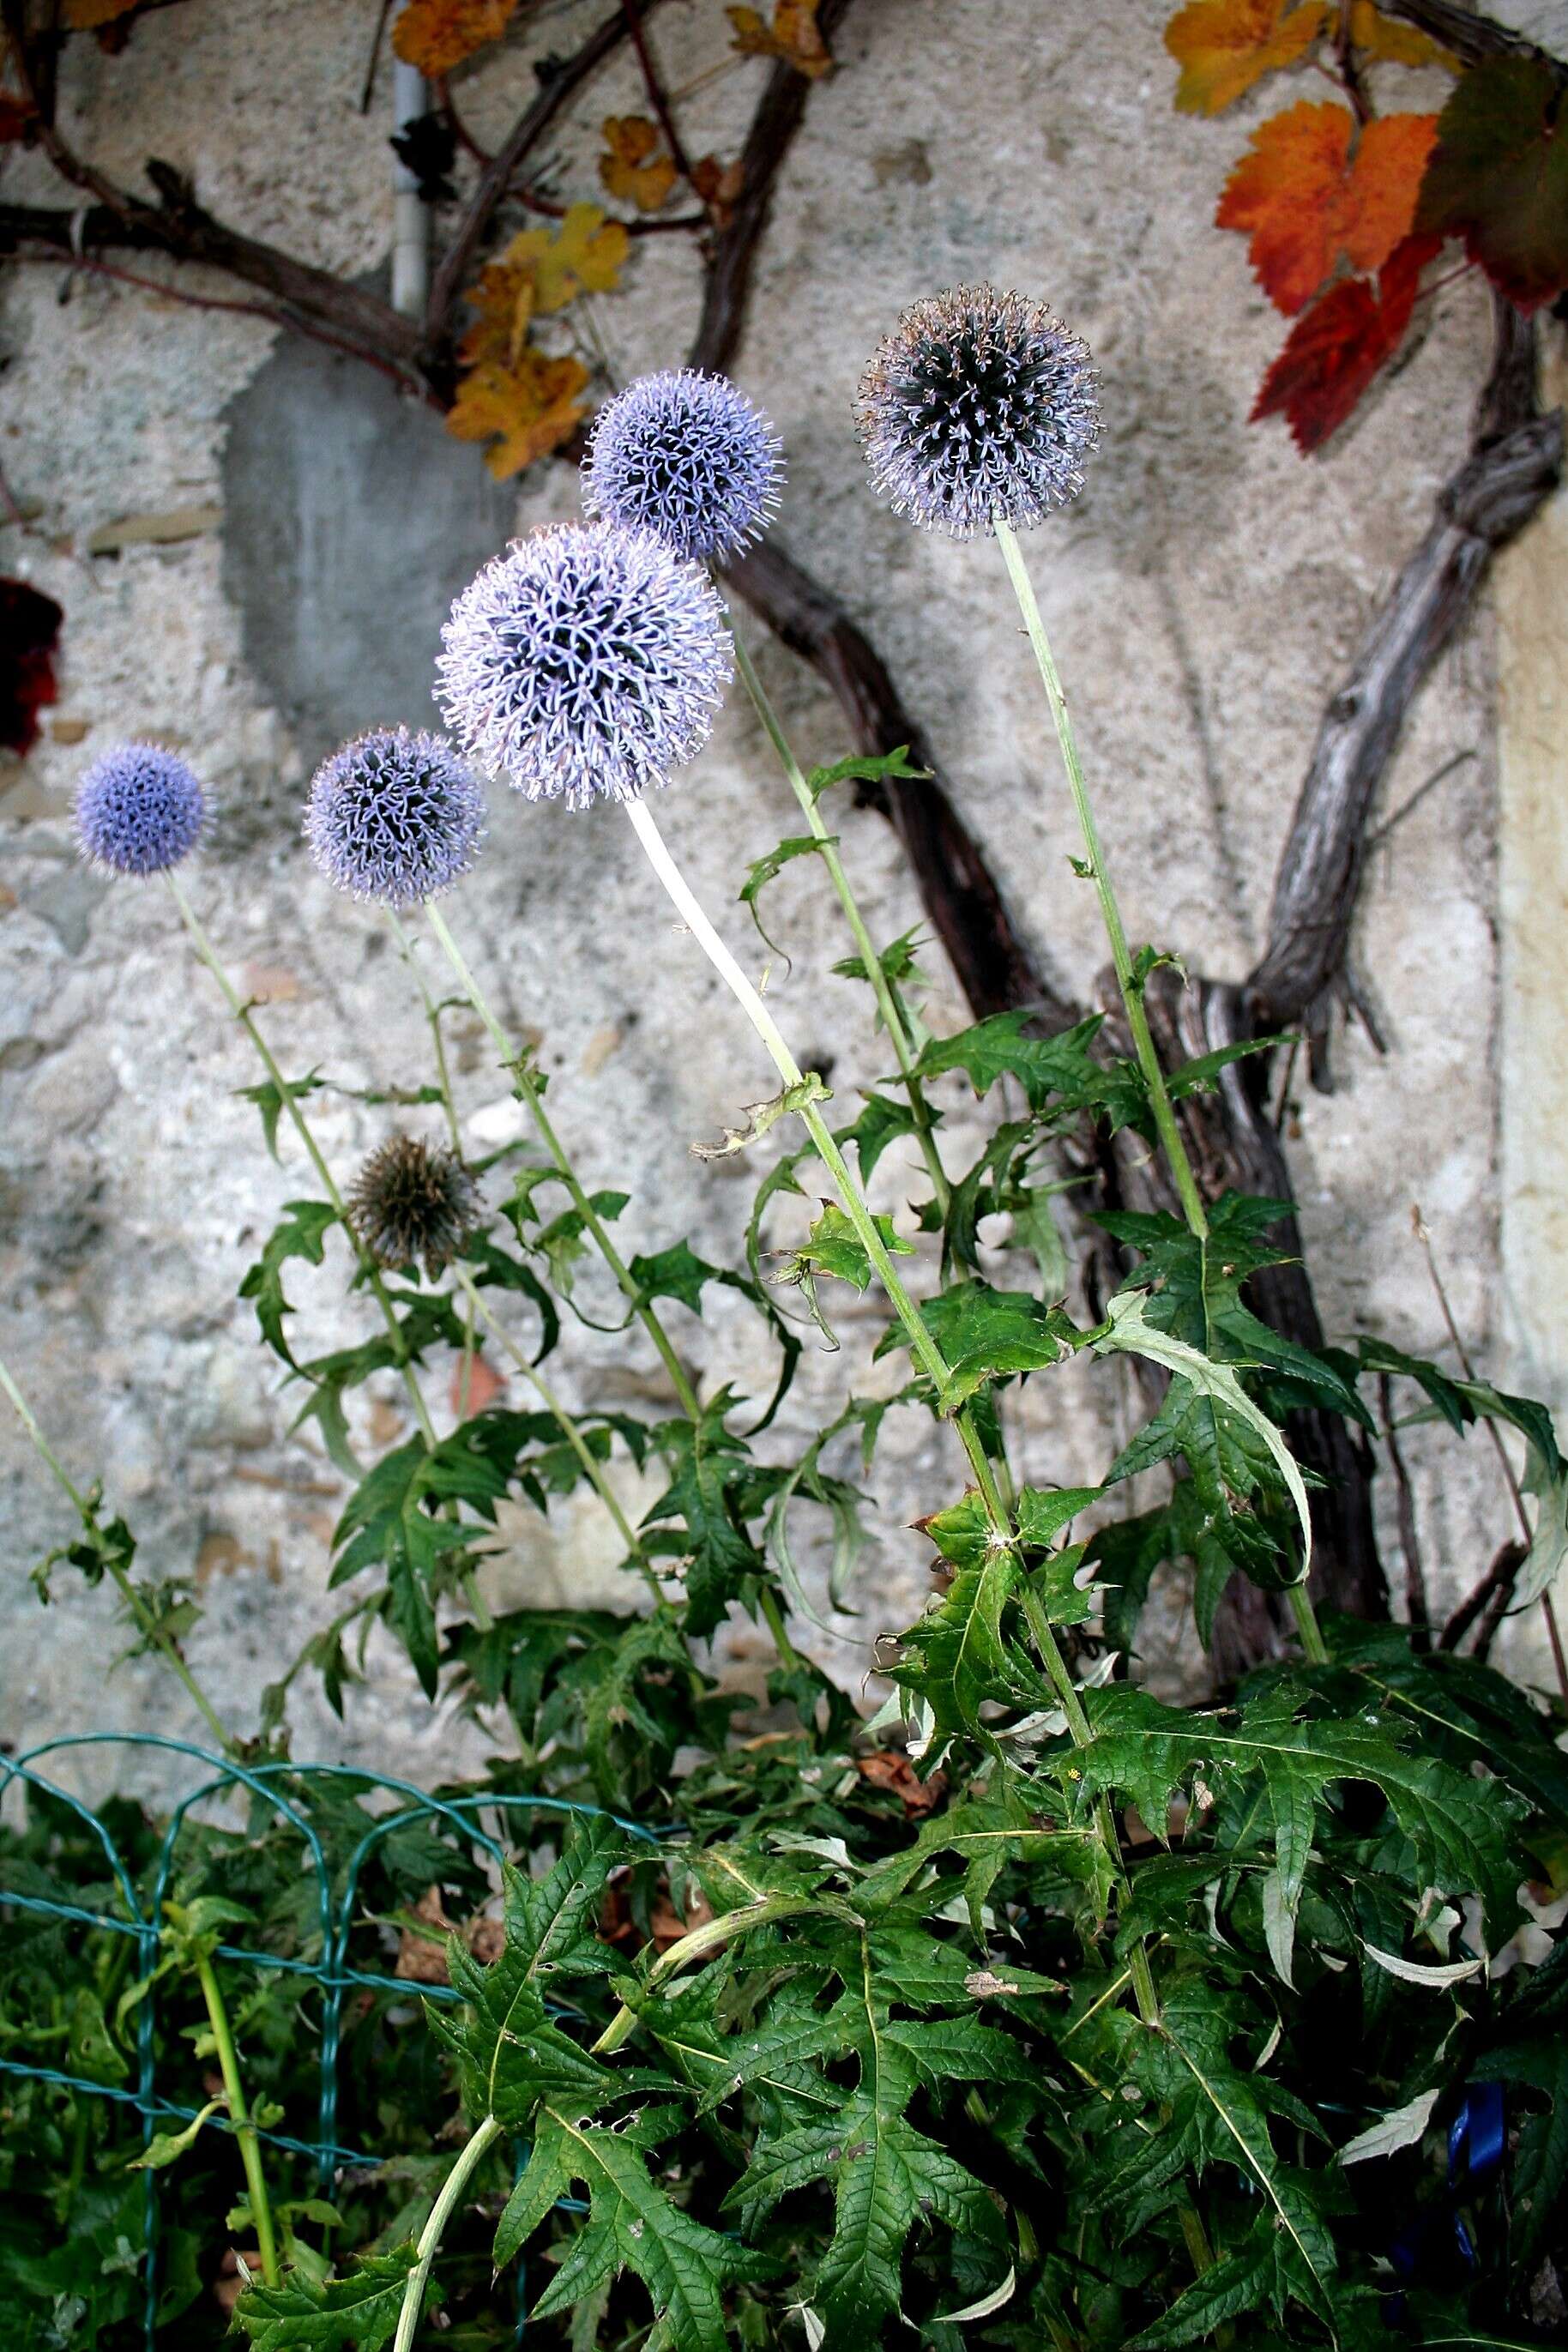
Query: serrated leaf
x=1400, y=2127
x=360, y=2309
x=1223, y=46
x=762, y=1116
x=767, y=869
x=1499, y=176
x=985, y=1335
x=1044, y=1066
x=866, y=768
x=302, y=1233
x=1314, y=191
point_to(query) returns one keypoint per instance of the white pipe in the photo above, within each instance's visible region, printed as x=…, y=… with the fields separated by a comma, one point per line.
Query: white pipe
x=411, y=215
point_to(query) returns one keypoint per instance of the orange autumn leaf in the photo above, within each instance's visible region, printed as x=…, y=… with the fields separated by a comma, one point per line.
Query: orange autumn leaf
x=793, y=37
x=436, y=35
x=1223, y=46
x=1378, y=36
x=1309, y=200
x=503, y=296
x=718, y=185
x=1335, y=350
x=524, y=411
x=634, y=169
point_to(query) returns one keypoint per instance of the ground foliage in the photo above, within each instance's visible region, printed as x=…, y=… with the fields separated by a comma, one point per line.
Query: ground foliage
x=1149, y=2031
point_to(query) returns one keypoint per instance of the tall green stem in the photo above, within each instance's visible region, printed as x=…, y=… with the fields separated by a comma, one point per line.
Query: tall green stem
x=239, y=2116
x=433, y=1016
x=886, y=1003
x=143, y=1617
x=247, y=1021
x=592, y=1469
x=430, y=2237
x=1131, y=992
x=515, y=1064
x=1165, y=1124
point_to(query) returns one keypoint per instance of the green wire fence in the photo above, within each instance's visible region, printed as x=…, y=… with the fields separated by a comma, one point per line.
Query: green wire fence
x=282, y=1788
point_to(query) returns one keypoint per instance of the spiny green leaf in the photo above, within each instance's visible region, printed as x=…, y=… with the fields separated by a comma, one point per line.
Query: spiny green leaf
x=766, y=869
x=359, y=2310
x=302, y=1233
x=998, y=1047
x=866, y=768
x=985, y=1335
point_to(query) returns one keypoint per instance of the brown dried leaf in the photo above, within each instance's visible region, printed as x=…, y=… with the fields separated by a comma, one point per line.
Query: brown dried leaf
x=793, y=37
x=86, y=15
x=634, y=169
x=889, y=1769
x=718, y=185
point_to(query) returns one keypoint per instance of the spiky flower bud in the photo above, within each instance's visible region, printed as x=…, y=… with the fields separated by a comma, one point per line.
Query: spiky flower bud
x=394, y=817
x=978, y=404
x=413, y=1202
x=584, y=664
x=139, y=810
x=687, y=457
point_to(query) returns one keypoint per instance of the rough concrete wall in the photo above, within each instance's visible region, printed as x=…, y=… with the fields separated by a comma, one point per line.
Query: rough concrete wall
x=1203, y=596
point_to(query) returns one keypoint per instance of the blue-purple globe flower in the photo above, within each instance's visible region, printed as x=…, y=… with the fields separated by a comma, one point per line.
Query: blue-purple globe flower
x=978, y=404
x=689, y=458
x=584, y=664
x=139, y=810
x=394, y=816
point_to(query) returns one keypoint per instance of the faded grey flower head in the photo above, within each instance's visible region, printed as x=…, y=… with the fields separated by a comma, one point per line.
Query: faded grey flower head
x=978, y=404
x=413, y=1203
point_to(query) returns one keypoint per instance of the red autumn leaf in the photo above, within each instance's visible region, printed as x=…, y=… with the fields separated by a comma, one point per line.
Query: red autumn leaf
x=1498, y=177
x=1311, y=195
x=29, y=639
x=1332, y=354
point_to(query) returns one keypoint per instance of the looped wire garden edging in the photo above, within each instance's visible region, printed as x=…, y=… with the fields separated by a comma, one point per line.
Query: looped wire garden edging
x=334, y=1915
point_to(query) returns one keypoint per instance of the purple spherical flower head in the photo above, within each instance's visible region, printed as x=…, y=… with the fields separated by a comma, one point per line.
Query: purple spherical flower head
x=394, y=817
x=978, y=404
x=139, y=810
x=687, y=457
x=586, y=662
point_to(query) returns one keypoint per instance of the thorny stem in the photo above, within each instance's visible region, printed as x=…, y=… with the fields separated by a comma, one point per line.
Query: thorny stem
x=239, y=2116
x=592, y=1468
x=1165, y=1126
x=516, y=1066
x=893, y=1019
x=247, y=1020
x=430, y=2236
x=146, y=1621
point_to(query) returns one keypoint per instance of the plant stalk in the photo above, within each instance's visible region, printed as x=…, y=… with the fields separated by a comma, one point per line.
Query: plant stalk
x=592, y=1468
x=515, y=1064
x=247, y=1021
x=239, y=2116
x=433, y=1016
x=886, y=1003
x=430, y=2237
x=168, y=1649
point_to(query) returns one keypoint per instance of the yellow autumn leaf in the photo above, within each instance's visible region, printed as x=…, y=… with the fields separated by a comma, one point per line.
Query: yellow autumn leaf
x=1223, y=46
x=1377, y=36
x=793, y=37
x=585, y=256
x=436, y=35
x=524, y=411
x=503, y=296
x=633, y=168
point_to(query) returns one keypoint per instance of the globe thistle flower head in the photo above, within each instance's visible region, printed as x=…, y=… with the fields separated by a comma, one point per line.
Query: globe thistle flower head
x=413, y=1202
x=689, y=458
x=394, y=817
x=139, y=810
x=584, y=664
x=978, y=404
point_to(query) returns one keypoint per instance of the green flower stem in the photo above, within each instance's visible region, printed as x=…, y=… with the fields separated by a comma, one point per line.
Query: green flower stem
x=789, y=1655
x=927, y=1354
x=592, y=1468
x=146, y=1622
x=515, y=1064
x=247, y=1021
x=709, y=1938
x=430, y=2237
x=239, y=2116
x=433, y=1015
x=1165, y=1124
x=893, y=1019
x=1131, y=994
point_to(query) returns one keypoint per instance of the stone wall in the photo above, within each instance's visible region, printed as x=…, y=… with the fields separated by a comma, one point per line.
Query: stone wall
x=1204, y=597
